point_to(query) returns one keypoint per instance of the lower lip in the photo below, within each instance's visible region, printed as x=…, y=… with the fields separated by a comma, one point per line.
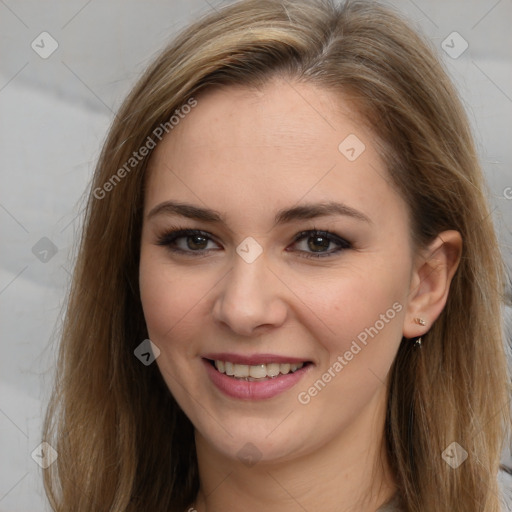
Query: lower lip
x=253, y=390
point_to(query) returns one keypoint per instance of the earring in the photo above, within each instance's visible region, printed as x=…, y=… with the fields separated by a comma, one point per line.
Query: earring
x=419, y=321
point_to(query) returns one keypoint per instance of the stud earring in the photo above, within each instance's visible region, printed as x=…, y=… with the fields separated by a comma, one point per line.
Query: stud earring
x=419, y=321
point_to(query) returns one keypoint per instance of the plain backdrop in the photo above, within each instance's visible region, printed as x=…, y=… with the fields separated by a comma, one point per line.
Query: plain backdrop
x=55, y=111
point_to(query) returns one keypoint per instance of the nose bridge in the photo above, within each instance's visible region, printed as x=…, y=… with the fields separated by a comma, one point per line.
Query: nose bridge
x=245, y=286
x=248, y=297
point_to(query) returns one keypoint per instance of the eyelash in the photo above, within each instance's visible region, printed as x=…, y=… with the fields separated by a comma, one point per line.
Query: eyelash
x=169, y=238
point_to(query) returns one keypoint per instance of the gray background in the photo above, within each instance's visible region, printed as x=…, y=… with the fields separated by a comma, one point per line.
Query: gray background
x=54, y=115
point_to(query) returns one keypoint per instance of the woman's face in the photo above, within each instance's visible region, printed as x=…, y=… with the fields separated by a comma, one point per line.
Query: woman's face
x=257, y=291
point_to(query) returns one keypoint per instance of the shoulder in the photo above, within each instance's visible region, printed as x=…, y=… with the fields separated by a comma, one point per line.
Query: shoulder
x=393, y=505
x=504, y=481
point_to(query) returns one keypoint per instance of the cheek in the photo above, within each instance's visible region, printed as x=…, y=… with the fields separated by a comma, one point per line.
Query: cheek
x=362, y=317
x=169, y=299
x=358, y=346
x=357, y=305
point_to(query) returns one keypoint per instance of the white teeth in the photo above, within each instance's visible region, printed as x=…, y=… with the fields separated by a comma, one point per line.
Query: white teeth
x=241, y=370
x=256, y=372
x=229, y=368
x=260, y=371
x=273, y=369
x=284, y=368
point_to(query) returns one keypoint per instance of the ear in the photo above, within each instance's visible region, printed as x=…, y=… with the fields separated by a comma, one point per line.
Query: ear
x=430, y=283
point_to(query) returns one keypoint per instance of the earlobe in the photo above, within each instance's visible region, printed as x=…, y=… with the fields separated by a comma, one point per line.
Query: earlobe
x=430, y=283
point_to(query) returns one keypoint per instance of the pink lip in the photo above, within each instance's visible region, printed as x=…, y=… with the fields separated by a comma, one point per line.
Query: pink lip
x=256, y=390
x=253, y=360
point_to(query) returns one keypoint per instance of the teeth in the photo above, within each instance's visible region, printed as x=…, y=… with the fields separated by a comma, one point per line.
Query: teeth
x=241, y=370
x=260, y=371
x=273, y=369
x=256, y=372
x=230, y=368
x=284, y=368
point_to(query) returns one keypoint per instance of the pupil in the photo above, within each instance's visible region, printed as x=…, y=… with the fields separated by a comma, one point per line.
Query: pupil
x=323, y=245
x=195, y=245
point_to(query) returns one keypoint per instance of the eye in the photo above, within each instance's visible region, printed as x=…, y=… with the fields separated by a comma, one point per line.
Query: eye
x=194, y=242
x=318, y=241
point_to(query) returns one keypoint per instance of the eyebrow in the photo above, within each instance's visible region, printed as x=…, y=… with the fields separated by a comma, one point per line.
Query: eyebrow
x=307, y=211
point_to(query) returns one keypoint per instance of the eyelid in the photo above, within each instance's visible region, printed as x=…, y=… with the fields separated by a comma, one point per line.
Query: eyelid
x=174, y=233
x=321, y=232
x=342, y=243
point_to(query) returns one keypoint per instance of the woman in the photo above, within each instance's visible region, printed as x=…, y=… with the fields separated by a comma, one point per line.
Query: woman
x=289, y=205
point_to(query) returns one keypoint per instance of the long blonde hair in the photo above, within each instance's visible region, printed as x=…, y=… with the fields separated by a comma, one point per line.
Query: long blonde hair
x=123, y=442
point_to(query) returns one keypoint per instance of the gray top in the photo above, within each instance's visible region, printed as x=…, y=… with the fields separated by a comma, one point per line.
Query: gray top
x=392, y=505
x=505, y=483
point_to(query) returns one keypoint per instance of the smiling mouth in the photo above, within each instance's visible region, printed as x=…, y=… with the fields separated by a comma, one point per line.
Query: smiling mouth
x=259, y=372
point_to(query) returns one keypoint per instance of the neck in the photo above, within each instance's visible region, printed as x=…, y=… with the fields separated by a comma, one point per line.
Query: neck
x=346, y=474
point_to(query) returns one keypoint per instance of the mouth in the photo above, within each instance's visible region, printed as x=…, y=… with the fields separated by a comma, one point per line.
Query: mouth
x=257, y=372
x=256, y=376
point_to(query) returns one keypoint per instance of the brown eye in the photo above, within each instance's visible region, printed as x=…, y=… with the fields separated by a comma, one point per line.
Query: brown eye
x=186, y=241
x=196, y=242
x=315, y=244
x=193, y=242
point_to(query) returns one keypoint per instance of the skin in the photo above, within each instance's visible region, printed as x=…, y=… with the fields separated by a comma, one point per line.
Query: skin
x=248, y=153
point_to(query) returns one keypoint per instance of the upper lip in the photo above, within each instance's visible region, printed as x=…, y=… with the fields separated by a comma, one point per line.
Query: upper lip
x=254, y=359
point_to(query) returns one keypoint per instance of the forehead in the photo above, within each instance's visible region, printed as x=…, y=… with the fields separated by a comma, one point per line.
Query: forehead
x=285, y=117
x=250, y=150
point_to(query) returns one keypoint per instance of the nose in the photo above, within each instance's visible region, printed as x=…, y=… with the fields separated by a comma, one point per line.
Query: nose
x=250, y=298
